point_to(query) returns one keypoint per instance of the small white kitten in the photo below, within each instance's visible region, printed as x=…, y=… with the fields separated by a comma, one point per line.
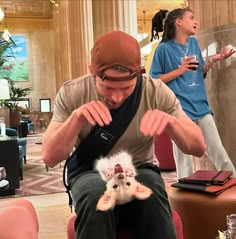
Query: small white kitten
x=119, y=173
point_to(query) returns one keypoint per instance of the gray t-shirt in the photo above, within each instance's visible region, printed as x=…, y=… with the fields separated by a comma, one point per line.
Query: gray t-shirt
x=155, y=95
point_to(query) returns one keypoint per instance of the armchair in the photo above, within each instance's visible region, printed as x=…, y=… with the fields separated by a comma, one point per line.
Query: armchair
x=18, y=219
x=164, y=152
x=22, y=148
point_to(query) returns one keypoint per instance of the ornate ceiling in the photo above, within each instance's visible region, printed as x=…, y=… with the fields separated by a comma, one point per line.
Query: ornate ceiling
x=39, y=9
x=42, y=9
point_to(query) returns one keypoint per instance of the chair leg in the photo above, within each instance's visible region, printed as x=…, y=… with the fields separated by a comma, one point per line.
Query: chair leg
x=25, y=159
x=21, y=173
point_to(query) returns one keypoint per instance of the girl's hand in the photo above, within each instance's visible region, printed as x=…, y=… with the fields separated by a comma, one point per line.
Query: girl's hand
x=187, y=63
x=224, y=54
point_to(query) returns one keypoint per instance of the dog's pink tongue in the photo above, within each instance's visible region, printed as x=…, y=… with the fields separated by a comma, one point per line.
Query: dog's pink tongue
x=118, y=169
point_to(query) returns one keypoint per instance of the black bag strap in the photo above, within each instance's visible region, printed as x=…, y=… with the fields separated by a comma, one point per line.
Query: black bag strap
x=101, y=139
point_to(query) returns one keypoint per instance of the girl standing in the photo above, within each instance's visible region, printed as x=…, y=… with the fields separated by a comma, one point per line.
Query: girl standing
x=179, y=63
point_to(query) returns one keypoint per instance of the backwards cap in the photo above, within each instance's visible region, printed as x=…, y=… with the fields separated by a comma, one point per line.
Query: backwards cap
x=116, y=48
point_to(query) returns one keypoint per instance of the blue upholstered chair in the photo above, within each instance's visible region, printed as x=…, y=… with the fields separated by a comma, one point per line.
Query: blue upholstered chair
x=11, y=132
x=31, y=127
x=22, y=142
x=21, y=161
x=22, y=148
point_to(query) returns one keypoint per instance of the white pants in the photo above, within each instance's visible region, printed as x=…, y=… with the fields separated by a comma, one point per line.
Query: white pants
x=215, y=150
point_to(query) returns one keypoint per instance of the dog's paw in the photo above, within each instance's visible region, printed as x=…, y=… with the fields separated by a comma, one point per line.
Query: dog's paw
x=109, y=173
x=129, y=172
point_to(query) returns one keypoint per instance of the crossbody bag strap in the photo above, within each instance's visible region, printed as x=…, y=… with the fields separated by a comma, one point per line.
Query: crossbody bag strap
x=101, y=139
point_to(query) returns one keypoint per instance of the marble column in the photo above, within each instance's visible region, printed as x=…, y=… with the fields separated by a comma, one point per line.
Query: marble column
x=114, y=15
x=73, y=39
x=61, y=38
x=217, y=29
x=80, y=36
x=220, y=83
x=211, y=13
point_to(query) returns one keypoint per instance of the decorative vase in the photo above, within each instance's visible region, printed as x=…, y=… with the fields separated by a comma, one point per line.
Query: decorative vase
x=14, y=118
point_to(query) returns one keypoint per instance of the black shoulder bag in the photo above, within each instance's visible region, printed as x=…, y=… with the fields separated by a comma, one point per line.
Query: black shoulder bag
x=101, y=139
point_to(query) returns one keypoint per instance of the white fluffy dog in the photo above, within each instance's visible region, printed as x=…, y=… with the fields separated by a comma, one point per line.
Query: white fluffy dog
x=119, y=173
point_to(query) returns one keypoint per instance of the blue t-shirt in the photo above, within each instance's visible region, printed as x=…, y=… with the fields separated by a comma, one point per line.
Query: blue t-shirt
x=168, y=56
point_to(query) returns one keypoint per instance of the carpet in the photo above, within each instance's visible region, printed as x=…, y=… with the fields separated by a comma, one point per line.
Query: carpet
x=37, y=180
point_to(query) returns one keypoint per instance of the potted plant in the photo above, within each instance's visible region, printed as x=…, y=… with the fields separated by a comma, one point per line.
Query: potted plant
x=16, y=93
x=5, y=53
x=6, y=50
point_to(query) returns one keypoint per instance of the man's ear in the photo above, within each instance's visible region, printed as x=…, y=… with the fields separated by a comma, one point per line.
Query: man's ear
x=91, y=70
x=142, y=192
x=106, y=202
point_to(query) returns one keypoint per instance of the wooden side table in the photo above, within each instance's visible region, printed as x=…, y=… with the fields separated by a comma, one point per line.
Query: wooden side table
x=202, y=214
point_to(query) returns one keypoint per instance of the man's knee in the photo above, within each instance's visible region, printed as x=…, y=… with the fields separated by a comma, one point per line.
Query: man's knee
x=88, y=187
x=150, y=178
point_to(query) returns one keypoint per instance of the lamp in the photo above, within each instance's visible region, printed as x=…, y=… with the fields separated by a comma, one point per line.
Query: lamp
x=6, y=35
x=4, y=95
x=55, y=2
x=4, y=90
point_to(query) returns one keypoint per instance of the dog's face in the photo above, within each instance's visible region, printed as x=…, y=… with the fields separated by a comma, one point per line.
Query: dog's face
x=122, y=188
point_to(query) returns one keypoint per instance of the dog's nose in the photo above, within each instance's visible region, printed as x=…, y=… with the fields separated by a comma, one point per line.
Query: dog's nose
x=118, y=168
x=121, y=176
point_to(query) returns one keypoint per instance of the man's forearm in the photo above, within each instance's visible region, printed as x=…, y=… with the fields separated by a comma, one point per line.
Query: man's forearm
x=59, y=140
x=187, y=136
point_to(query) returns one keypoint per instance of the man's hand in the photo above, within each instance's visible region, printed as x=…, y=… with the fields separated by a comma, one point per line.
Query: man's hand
x=95, y=112
x=224, y=54
x=154, y=122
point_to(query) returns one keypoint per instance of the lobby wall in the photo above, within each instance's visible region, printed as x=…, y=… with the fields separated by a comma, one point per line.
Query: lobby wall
x=40, y=47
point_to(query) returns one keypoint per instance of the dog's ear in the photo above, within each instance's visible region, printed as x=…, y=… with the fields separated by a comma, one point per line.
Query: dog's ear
x=106, y=202
x=142, y=192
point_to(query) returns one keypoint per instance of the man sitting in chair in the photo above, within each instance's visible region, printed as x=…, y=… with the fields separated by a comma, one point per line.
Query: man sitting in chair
x=117, y=108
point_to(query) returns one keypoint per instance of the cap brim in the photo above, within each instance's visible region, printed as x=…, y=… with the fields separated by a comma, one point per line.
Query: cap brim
x=123, y=78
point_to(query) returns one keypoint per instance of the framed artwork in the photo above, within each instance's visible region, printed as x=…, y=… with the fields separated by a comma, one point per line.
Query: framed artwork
x=45, y=105
x=16, y=66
